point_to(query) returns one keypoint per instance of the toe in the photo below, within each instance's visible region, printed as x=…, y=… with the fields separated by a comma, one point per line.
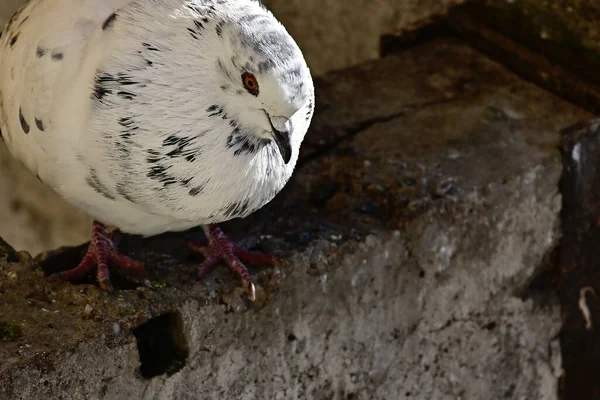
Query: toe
x=85, y=266
x=105, y=285
x=251, y=257
x=207, y=266
x=198, y=247
x=127, y=263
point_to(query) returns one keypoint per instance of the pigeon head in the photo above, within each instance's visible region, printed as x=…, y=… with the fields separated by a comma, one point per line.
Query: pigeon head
x=264, y=80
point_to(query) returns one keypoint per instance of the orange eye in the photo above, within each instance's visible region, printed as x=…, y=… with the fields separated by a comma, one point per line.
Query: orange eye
x=250, y=83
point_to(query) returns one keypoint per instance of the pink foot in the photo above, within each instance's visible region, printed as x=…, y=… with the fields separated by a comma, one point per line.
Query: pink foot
x=101, y=250
x=220, y=247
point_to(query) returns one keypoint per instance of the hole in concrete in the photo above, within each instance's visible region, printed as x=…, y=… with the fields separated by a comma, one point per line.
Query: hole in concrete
x=11, y=256
x=161, y=345
x=491, y=326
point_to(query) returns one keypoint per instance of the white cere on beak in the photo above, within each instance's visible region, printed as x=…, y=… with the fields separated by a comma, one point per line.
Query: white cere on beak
x=282, y=124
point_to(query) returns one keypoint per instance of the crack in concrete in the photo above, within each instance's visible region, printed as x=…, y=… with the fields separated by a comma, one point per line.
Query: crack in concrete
x=357, y=128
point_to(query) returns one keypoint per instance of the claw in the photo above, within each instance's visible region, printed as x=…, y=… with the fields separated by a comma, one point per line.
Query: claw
x=221, y=248
x=252, y=294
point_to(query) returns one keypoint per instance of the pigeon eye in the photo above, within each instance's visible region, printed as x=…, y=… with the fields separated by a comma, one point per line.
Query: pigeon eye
x=250, y=83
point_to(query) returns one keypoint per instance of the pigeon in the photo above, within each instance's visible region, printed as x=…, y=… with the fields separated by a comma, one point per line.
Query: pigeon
x=155, y=116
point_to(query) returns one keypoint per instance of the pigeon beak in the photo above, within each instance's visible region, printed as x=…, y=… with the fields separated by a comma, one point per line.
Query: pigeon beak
x=282, y=132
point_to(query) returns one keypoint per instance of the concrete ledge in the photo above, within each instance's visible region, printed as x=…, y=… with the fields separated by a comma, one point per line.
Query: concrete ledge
x=426, y=202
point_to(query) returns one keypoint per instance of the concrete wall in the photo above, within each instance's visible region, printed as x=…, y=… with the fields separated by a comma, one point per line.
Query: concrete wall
x=338, y=33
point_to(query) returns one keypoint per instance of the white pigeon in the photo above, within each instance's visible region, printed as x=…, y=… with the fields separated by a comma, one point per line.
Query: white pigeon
x=155, y=116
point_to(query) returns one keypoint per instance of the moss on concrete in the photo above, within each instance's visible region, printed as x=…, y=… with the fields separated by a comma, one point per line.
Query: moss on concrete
x=9, y=332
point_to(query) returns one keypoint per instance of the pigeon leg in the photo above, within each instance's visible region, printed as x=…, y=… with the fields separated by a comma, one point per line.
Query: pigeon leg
x=220, y=247
x=101, y=250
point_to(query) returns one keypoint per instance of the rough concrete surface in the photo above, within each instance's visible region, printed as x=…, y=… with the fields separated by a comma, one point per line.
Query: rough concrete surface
x=426, y=201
